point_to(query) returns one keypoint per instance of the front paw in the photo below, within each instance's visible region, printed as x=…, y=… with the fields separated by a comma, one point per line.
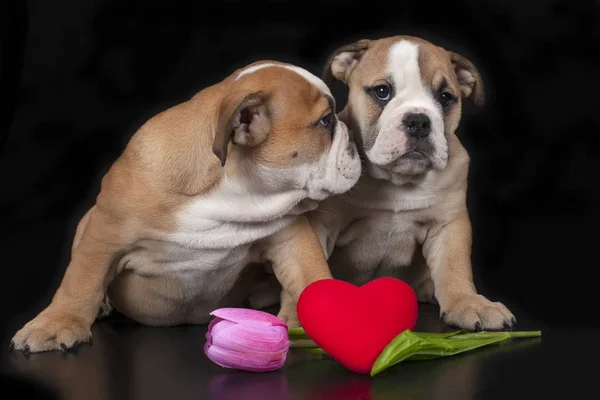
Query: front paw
x=51, y=330
x=476, y=313
x=290, y=318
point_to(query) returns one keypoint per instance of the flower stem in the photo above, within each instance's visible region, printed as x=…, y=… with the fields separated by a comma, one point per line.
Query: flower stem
x=485, y=334
x=297, y=332
x=526, y=334
x=312, y=350
x=302, y=343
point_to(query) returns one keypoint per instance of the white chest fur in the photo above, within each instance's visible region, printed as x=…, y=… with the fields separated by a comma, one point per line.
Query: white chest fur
x=378, y=228
x=376, y=244
x=215, y=239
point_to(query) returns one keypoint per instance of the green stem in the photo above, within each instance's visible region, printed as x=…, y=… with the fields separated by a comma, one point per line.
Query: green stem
x=297, y=332
x=302, y=343
x=526, y=334
x=312, y=350
x=481, y=335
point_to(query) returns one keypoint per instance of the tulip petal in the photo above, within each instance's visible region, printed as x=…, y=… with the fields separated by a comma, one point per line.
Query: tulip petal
x=249, y=340
x=212, y=323
x=247, y=316
x=217, y=325
x=255, y=339
x=219, y=328
x=247, y=362
x=216, y=359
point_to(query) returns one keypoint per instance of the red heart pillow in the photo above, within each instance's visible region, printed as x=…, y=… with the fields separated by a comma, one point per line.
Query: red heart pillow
x=354, y=324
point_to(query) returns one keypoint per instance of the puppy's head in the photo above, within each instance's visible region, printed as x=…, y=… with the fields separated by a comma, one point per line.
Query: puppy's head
x=277, y=126
x=405, y=99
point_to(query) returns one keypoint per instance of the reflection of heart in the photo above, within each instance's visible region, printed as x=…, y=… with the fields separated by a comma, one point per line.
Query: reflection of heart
x=345, y=389
x=354, y=324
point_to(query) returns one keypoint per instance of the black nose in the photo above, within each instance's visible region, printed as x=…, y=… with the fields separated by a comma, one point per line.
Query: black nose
x=417, y=125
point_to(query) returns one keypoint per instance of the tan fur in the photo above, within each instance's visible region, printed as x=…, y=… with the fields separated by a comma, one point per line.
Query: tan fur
x=170, y=161
x=298, y=248
x=438, y=237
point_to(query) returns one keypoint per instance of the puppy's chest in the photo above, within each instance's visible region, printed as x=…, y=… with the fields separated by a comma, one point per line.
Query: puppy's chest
x=197, y=269
x=385, y=239
x=204, y=256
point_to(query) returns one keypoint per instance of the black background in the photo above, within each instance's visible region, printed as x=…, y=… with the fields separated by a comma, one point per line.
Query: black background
x=83, y=75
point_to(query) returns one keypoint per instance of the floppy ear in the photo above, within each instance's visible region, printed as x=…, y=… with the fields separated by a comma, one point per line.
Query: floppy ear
x=471, y=85
x=244, y=119
x=342, y=61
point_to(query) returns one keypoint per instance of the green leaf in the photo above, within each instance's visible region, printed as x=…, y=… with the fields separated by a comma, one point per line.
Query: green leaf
x=425, y=335
x=413, y=346
x=419, y=346
x=405, y=345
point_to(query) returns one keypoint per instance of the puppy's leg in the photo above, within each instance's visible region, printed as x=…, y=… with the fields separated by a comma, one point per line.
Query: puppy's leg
x=287, y=312
x=106, y=306
x=298, y=260
x=448, y=253
x=74, y=307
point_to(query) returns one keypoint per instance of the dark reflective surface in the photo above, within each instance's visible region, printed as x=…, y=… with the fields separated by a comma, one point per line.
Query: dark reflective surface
x=83, y=75
x=129, y=361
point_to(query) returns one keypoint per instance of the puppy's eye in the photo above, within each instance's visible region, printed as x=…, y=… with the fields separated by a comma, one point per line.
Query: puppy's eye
x=382, y=92
x=446, y=99
x=325, y=122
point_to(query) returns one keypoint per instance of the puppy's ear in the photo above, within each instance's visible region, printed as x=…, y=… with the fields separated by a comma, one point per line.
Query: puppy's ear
x=244, y=119
x=342, y=61
x=471, y=85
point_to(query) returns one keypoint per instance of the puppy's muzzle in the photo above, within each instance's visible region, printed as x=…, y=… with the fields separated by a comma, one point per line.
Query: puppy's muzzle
x=416, y=125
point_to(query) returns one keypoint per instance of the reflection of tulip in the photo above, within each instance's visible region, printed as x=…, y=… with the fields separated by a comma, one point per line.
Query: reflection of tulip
x=245, y=339
x=227, y=386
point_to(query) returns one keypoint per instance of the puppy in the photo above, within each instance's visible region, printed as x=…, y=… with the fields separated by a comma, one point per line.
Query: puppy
x=409, y=207
x=202, y=190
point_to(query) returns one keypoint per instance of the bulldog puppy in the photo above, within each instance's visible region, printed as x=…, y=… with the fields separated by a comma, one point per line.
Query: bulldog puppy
x=409, y=207
x=202, y=190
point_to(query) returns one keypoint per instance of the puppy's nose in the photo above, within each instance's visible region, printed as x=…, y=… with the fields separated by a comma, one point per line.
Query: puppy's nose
x=417, y=125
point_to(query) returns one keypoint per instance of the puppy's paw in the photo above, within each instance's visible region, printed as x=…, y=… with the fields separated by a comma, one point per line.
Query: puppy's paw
x=290, y=318
x=51, y=330
x=476, y=313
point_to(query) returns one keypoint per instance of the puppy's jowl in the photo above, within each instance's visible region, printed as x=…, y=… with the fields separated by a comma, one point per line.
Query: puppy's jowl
x=201, y=191
x=407, y=216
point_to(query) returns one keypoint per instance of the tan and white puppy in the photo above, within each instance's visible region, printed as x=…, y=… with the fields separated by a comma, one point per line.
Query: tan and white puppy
x=201, y=191
x=409, y=207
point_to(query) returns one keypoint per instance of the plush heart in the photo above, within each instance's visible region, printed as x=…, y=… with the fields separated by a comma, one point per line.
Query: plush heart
x=354, y=324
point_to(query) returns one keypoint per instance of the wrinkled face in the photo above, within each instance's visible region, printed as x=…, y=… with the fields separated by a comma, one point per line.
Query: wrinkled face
x=405, y=100
x=288, y=134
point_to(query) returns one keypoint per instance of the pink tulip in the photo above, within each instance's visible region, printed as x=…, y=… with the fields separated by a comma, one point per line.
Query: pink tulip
x=246, y=339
